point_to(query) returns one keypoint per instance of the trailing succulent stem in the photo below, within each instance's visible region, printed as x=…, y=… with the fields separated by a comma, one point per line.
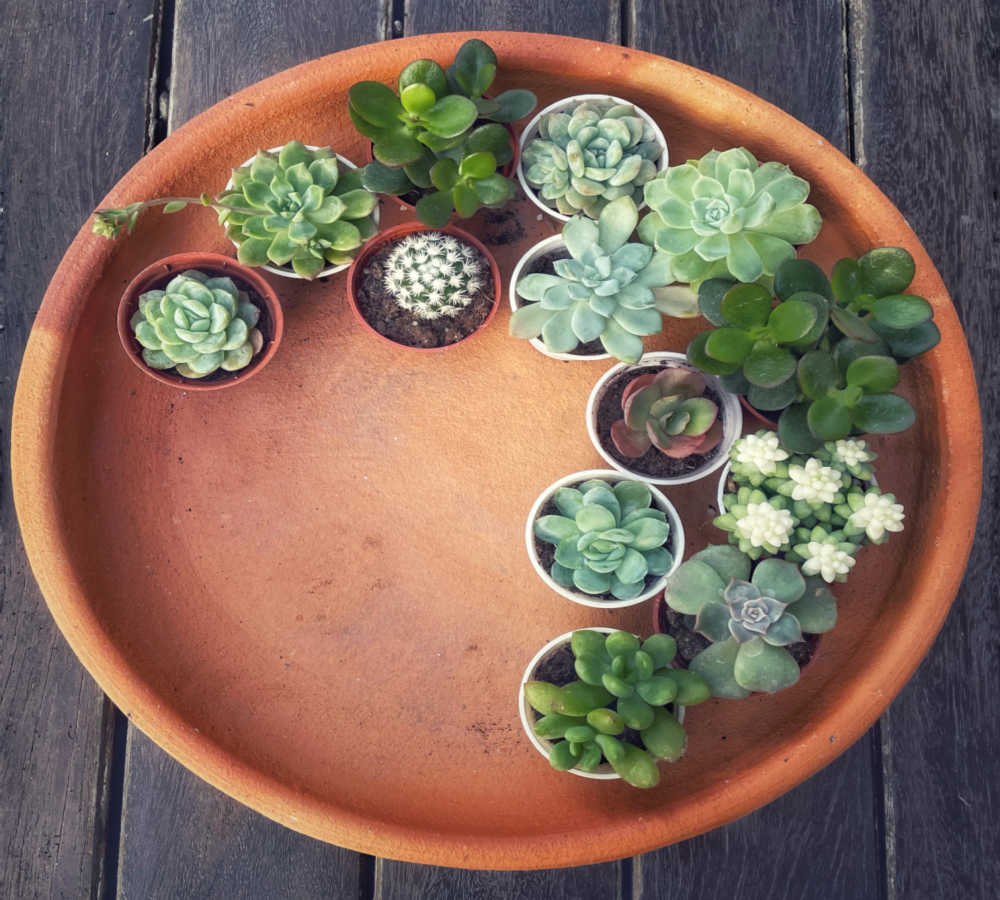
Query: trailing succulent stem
x=624, y=687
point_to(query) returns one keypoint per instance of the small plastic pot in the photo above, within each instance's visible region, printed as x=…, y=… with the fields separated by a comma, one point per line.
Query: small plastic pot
x=288, y=271
x=604, y=772
x=531, y=132
x=675, y=542
x=721, y=489
x=395, y=233
x=540, y=249
x=732, y=417
x=154, y=277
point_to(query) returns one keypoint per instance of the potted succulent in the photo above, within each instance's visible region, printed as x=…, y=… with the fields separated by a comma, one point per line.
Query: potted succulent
x=296, y=211
x=662, y=420
x=744, y=627
x=199, y=321
x=727, y=215
x=601, y=704
x=604, y=293
x=603, y=543
x=824, y=354
x=424, y=288
x=440, y=141
x=582, y=152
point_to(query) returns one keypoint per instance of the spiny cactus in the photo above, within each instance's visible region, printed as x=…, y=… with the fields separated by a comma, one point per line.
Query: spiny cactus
x=433, y=274
x=726, y=214
x=666, y=410
x=606, y=539
x=750, y=619
x=196, y=325
x=589, y=155
x=623, y=684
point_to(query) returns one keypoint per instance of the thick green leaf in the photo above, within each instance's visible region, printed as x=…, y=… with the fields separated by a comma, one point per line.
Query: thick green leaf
x=901, y=311
x=729, y=345
x=478, y=165
x=698, y=356
x=886, y=270
x=417, y=98
x=397, y=148
x=875, y=374
x=817, y=373
x=450, y=116
x=851, y=325
x=791, y=321
x=465, y=200
x=848, y=350
x=693, y=585
x=493, y=139
x=435, y=209
x=796, y=275
x=382, y=179
x=710, y=295
x=768, y=365
x=474, y=67
x=493, y=191
x=423, y=71
x=375, y=102
x=761, y=667
x=771, y=399
x=444, y=174
x=746, y=305
x=793, y=430
x=883, y=414
x=912, y=342
x=829, y=419
x=846, y=280
x=514, y=105
x=715, y=664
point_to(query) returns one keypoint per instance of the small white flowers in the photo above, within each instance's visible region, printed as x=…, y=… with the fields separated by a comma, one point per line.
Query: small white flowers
x=826, y=561
x=765, y=526
x=433, y=274
x=877, y=515
x=852, y=452
x=814, y=482
x=761, y=450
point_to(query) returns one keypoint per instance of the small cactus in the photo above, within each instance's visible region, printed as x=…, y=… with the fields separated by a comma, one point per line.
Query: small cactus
x=434, y=274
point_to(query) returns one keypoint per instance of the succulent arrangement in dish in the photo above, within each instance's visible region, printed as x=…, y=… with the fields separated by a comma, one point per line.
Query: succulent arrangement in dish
x=439, y=135
x=616, y=711
x=196, y=325
x=590, y=153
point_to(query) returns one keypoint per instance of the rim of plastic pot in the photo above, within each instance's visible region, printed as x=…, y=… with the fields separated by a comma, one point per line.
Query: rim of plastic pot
x=720, y=491
x=604, y=771
x=542, y=247
x=675, y=541
x=531, y=130
x=732, y=416
x=291, y=273
x=159, y=273
x=401, y=230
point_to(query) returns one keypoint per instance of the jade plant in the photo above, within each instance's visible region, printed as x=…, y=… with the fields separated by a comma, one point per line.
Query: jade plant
x=295, y=207
x=196, y=325
x=667, y=410
x=440, y=135
x=608, y=539
x=825, y=355
x=433, y=274
x=727, y=215
x=750, y=614
x=817, y=510
x=589, y=155
x=605, y=290
x=623, y=690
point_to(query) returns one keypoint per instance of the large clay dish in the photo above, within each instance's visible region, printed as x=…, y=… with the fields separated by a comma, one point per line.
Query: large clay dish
x=312, y=589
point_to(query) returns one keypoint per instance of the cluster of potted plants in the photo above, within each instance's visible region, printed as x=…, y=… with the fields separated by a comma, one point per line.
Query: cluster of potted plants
x=718, y=239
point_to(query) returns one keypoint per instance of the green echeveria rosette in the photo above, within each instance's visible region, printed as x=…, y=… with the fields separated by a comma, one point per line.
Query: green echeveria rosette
x=608, y=539
x=314, y=211
x=197, y=325
x=727, y=215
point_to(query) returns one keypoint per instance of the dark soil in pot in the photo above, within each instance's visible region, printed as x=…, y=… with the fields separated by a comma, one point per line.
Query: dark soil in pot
x=690, y=643
x=380, y=309
x=653, y=463
x=544, y=265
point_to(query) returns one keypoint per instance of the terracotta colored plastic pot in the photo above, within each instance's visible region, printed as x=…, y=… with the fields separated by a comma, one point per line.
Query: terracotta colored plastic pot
x=729, y=409
x=604, y=772
x=531, y=132
x=287, y=271
x=660, y=501
x=759, y=415
x=154, y=277
x=540, y=249
x=401, y=231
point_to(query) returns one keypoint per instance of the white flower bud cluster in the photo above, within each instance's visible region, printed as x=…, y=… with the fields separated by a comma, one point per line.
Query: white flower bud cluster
x=433, y=274
x=760, y=450
x=852, y=452
x=878, y=515
x=763, y=525
x=826, y=561
x=814, y=482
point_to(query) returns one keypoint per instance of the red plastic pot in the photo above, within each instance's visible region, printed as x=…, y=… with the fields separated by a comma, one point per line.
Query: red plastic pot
x=400, y=231
x=154, y=277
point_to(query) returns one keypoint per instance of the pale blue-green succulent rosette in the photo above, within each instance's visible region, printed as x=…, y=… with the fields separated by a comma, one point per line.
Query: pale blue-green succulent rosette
x=726, y=215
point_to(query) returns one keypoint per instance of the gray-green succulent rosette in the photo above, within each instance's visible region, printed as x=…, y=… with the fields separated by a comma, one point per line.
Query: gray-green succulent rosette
x=728, y=215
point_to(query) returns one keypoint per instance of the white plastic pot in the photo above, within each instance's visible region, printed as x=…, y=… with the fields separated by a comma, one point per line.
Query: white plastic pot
x=675, y=542
x=721, y=490
x=531, y=132
x=540, y=249
x=288, y=272
x=604, y=772
x=732, y=417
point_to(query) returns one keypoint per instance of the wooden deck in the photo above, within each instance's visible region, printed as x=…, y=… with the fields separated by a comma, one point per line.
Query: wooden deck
x=89, y=807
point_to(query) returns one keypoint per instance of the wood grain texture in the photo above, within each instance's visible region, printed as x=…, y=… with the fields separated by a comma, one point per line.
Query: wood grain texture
x=598, y=20
x=219, y=48
x=926, y=90
x=71, y=123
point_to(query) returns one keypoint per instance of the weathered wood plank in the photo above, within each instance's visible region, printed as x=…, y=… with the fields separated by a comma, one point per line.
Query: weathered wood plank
x=791, y=55
x=926, y=130
x=597, y=19
x=181, y=837
x=71, y=122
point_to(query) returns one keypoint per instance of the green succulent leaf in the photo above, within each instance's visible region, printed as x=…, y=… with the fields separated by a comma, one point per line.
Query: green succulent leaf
x=759, y=666
x=375, y=102
x=874, y=374
x=746, y=305
x=514, y=105
x=883, y=414
x=797, y=275
x=715, y=664
x=886, y=270
x=768, y=365
x=423, y=71
x=829, y=419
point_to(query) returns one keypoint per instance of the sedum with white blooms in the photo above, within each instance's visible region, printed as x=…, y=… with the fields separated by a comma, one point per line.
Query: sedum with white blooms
x=433, y=274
